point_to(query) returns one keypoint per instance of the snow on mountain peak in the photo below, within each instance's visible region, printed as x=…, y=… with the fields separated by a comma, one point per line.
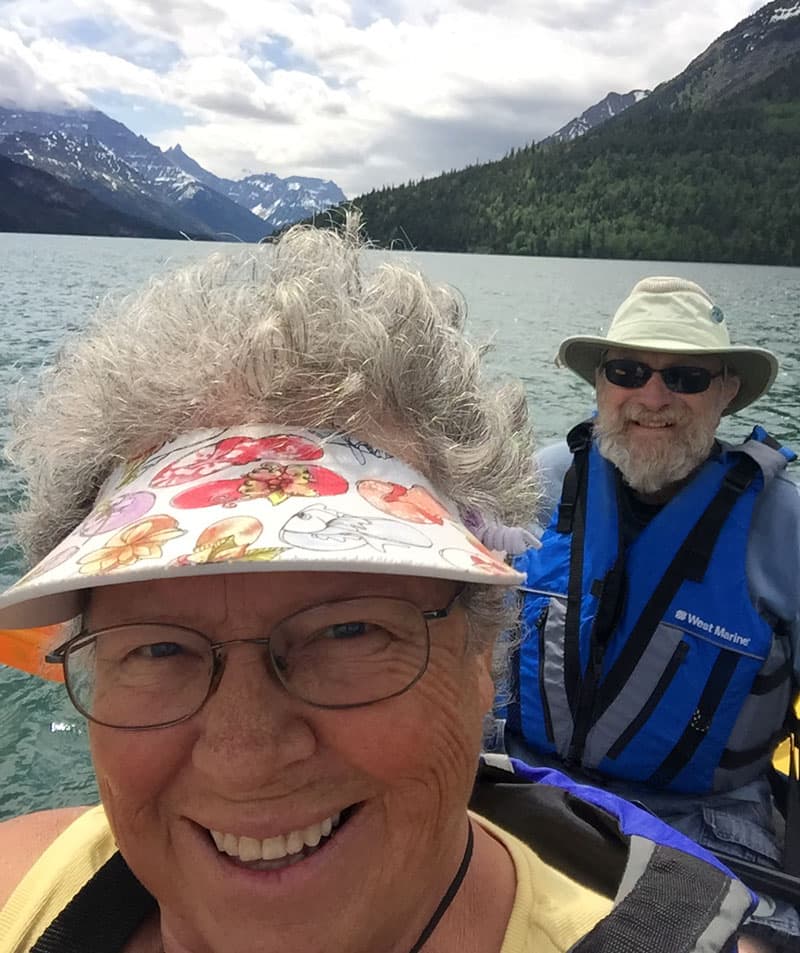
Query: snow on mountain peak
x=785, y=13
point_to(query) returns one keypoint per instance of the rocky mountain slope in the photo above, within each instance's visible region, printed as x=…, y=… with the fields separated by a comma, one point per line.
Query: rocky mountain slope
x=277, y=201
x=611, y=105
x=87, y=163
x=33, y=201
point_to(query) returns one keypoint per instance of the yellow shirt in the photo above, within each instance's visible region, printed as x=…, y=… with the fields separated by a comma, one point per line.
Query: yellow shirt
x=550, y=912
x=59, y=873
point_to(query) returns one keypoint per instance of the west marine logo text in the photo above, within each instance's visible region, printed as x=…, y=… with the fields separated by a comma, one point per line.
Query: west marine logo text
x=719, y=631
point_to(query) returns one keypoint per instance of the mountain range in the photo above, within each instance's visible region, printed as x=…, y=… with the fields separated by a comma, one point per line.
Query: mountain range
x=704, y=168
x=163, y=192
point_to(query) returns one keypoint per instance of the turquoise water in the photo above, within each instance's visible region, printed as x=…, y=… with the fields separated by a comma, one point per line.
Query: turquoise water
x=48, y=285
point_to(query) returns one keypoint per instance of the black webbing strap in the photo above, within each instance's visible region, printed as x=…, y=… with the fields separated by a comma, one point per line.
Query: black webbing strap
x=700, y=722
x=764, y=684
x=690, y=562
x=791, y=844
x=733, y=760
x=769, y=441
x=579, y=440
x=572, y=515
x=610, y=594
x=102, y=916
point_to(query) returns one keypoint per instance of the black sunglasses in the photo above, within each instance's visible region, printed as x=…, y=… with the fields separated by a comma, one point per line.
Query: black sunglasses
x=680, y=379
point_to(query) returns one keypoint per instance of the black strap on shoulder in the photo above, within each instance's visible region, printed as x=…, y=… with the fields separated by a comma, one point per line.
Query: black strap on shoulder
x=690, y=562
x=579, y=440
x=701, y=541
x=102, y=916
x=769, y=441
x=572, y=518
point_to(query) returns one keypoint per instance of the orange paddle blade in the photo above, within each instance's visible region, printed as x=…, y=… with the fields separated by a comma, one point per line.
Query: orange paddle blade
x=25, y=649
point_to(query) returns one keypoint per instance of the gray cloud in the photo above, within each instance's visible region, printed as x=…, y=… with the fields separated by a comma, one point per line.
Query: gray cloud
x=21, y=84
x=232, y=104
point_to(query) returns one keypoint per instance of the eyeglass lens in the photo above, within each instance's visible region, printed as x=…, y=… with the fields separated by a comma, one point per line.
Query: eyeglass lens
x=680, y=379
x=337, y=655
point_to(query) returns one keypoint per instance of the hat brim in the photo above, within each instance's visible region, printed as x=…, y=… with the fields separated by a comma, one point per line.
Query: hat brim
x=259, y=498
x=755, y=367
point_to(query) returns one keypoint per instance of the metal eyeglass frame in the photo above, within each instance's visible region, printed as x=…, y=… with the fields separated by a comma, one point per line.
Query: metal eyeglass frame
x=59, y=655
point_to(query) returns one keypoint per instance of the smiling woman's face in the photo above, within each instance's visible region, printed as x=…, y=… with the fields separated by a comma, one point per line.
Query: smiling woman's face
x=383, y=787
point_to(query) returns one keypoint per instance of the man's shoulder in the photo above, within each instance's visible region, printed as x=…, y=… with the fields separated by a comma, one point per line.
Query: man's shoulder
x=782, y=494
x=555, y=457
x=551, y=462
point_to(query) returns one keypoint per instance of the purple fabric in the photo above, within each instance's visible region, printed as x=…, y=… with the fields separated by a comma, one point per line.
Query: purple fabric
x=632, y=819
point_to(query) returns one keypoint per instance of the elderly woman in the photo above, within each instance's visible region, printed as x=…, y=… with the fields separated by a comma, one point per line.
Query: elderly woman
x=249, y=492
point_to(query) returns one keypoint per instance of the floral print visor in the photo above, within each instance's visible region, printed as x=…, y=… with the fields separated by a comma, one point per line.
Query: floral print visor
x=245, y=499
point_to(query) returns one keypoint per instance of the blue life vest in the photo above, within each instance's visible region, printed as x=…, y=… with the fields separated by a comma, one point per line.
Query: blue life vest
x=652, y=664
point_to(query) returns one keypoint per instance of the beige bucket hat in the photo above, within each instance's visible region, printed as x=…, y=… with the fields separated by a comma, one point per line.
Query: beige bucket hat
x=674, y=316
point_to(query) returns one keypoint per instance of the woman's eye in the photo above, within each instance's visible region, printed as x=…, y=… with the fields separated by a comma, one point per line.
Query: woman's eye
x=160, y=650
x=348, y=630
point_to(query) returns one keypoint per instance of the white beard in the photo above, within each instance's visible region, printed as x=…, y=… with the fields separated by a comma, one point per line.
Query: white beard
x=649, y=467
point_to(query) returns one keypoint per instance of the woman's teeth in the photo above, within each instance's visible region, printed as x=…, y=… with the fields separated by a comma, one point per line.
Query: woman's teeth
x=249, y=850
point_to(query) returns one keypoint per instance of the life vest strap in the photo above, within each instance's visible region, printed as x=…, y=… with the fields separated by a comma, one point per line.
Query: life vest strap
x=575, y=483
x=700, y=722
x=102, y=916
x=733, y=760
x=764, y=684
x=579, y=440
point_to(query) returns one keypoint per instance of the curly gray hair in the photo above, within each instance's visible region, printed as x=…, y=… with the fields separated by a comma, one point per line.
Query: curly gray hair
x=294, y=333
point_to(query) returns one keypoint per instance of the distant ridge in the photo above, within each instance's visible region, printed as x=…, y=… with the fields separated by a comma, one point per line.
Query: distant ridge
x=33, y=201
x=608, y=107
x=277, y=201
x=88, y=149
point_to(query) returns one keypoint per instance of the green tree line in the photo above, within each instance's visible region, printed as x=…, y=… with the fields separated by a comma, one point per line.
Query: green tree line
x=658, y=182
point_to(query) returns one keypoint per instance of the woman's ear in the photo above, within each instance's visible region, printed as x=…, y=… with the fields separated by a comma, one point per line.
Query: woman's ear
x=486, y=687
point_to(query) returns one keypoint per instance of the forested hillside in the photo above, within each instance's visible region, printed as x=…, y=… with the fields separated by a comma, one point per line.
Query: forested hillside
x=33, y=201
x=717, y=182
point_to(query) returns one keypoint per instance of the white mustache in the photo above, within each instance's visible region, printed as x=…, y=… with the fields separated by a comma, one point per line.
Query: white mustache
x=640, y=415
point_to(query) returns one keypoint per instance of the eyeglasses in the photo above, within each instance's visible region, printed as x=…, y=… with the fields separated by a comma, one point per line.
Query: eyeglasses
x=336, y=655
x=680, y=379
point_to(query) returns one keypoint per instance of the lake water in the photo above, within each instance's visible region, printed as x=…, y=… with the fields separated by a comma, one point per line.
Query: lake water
x=48, y=284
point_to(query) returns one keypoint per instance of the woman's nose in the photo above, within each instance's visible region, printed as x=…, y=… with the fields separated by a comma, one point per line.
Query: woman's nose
x=251, y=729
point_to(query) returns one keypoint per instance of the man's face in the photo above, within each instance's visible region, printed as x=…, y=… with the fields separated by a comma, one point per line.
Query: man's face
x=654, y=436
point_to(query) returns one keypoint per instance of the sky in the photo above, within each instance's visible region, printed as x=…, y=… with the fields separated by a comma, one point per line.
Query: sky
x=366, y=94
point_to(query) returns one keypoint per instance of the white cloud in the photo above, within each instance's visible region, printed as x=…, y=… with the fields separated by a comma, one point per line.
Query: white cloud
x=22, y=82
x=93, y=70
x=363, y=93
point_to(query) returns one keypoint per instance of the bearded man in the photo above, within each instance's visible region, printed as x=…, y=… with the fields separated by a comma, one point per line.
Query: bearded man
x=661, y=613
